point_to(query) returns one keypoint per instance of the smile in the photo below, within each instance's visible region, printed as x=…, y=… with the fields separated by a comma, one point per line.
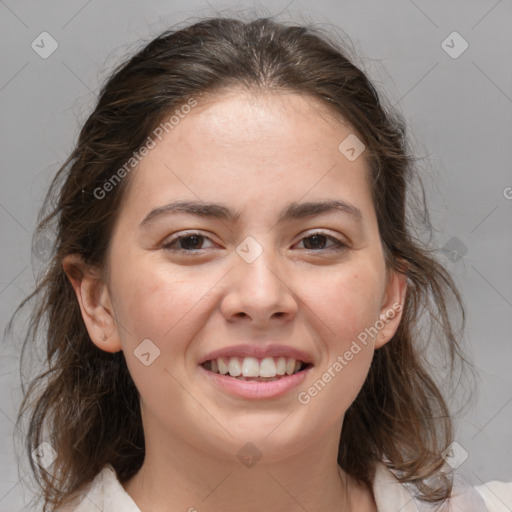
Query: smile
x=255, y=379
x=251, y=368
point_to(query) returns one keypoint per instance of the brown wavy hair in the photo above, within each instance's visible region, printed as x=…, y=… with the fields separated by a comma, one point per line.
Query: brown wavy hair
x=85, y=403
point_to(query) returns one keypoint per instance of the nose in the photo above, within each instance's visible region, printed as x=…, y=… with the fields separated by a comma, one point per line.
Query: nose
x=259, y=292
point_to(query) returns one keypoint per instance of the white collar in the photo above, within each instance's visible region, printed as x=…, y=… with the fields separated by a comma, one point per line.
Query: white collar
x=390, y=494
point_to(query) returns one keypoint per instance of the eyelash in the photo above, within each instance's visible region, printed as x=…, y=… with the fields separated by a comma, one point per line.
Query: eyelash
x=339, y=245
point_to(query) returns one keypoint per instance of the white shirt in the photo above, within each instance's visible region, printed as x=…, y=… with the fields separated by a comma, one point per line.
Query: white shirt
x=106, y=494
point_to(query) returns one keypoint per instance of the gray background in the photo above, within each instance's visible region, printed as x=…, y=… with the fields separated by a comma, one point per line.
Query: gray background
x=459, y=112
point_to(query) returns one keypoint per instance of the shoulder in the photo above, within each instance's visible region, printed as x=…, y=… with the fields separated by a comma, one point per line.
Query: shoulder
x=104, y=493
x=391, y=495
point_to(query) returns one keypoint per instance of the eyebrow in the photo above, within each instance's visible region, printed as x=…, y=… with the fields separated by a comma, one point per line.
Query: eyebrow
x=218, y=211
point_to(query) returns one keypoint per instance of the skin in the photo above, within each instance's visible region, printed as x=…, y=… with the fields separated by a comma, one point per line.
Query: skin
x=254, y=153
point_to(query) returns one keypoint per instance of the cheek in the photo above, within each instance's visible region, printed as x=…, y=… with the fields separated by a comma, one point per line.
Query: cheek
x=157, y=305
x=346, y=309
x=152, y=301
x=346, y=304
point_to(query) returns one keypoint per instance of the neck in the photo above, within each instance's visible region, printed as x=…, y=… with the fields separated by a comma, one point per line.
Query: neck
x=178, y=476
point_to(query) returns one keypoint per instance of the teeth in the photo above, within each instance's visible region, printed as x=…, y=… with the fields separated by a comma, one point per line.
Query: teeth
x=234, y=367
x=281, y=366
x=290, y=366
x=267, y=367
x=251, y=367
x=223, y=367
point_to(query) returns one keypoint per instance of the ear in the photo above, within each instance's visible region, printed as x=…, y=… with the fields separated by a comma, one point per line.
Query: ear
x=95, y=305
x=392, y=307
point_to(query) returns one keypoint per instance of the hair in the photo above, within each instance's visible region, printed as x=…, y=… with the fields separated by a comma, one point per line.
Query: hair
x=85, y=403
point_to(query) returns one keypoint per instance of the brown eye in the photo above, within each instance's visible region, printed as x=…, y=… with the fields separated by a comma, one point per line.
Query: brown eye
x=186, y=243
x=317, y=242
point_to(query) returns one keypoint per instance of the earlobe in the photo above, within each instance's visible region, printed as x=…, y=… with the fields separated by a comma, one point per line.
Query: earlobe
x=392, y=307
x=94, y=301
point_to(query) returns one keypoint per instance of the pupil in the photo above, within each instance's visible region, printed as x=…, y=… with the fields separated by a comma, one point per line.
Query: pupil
x=185, y=242
x=315, y=237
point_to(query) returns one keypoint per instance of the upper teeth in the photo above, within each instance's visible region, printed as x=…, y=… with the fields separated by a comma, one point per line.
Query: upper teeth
x=252, y=367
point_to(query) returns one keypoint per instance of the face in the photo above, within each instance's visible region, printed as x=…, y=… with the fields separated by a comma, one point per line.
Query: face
x=313, y=281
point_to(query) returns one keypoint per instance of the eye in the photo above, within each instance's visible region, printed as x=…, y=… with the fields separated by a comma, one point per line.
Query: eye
x=193, y=243
x=189, y=243
x=317, y=241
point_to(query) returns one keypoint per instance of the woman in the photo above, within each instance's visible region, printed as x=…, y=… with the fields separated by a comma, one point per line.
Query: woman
x=236, y=306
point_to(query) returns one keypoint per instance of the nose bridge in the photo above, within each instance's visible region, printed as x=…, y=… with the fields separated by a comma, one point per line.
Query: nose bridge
x=258, y=267
x=258, y=284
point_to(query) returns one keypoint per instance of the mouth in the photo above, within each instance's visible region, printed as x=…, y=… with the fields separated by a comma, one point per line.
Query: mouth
x=267, y=369
x=254, y=379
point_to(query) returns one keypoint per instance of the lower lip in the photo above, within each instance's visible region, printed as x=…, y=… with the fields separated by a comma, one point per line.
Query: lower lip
x=255, y=389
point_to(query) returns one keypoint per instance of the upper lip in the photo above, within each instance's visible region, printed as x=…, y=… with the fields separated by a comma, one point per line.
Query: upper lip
x=259, y=352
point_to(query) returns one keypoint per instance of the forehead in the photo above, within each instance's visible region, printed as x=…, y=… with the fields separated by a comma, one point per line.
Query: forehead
x=241, y=145
x=239, y=117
